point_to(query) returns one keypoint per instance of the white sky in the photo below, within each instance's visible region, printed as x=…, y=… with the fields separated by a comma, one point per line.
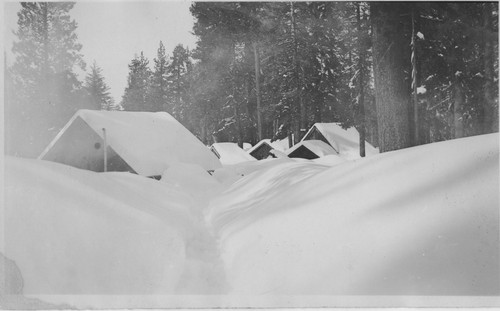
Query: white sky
x=112, y=32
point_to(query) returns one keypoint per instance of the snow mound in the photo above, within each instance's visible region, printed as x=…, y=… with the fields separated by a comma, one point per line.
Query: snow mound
x=192, y=179
x=419, y=221
x=241, y=202
x=229, y=174
x=226, y=175
x=330, y=160
x=247, y=146
x=243, y=169
x=74, y=232
x=230, y=153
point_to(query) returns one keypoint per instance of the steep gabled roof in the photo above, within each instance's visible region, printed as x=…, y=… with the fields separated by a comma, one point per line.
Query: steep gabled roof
x=229, y=153
x=148, y=141
x=318, y=147
x=259, y=145
x=280, y=145
x=344, y=141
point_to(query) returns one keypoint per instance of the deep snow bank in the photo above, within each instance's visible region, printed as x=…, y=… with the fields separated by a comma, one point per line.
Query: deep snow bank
x=420, y=221
x=72, y=231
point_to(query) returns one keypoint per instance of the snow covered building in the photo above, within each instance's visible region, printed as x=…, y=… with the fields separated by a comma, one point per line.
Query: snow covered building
x=345, y=142
x=261, y=150
x=230, y=153
x=265, y=149
x=310, y=149
x=145, y=143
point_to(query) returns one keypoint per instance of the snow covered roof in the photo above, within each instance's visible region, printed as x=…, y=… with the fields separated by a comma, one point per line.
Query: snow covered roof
x=280, y=145
x=260, y=143
x=319, y=147
x=344, y=141
x=231, y=153
x=148, y=141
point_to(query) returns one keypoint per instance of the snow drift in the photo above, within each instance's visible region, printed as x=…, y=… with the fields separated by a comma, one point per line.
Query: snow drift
x=420, y=221
x=72, y=231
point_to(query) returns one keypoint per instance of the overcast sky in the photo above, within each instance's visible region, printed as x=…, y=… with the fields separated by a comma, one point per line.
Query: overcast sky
x=113, y=32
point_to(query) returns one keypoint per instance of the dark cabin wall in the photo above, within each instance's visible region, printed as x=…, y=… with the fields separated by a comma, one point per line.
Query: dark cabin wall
x=80, y=146
x=314, y=134
x=304, y=153
x=262, y=152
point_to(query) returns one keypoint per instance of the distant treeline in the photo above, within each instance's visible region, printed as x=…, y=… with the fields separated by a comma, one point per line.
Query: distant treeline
x=402, y=73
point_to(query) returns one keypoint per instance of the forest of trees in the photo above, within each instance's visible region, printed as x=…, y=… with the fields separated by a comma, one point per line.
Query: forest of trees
x=403, y=74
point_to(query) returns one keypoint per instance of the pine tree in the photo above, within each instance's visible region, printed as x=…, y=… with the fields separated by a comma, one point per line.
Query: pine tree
x=177, y=71
x=217, y=27
x=317, y=64
x=47, y=90
x=137, y=92
x=97, y=89
x=159, y=82
x=361, y=38
x=459, y=98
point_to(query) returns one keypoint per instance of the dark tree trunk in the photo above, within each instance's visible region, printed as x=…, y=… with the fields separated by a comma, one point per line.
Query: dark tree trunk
x=234, y=102
x=361, y=100
x=390, y=55
x=299, y=123
x=415, y=128
x=257, y=90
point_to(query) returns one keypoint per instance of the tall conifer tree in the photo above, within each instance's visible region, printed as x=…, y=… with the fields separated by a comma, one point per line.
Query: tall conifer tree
x=137, y=92
x=178, y=70
x=159, y=82
x=47, y=90
x=98, y=90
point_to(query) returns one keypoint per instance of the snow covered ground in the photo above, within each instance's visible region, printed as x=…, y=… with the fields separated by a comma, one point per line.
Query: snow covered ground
x=419, y=221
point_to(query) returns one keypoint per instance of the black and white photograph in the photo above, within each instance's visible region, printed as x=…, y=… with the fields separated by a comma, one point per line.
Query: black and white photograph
x=278, y=154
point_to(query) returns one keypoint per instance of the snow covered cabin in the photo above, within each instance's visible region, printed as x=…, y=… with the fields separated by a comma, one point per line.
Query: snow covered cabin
x=230, y=153
x=345, y=142
x=310, y=149
x=145, y=143
x=261, y=150
x=265, y=149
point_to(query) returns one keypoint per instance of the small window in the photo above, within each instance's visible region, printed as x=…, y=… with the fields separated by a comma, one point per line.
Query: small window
x=97, y=145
